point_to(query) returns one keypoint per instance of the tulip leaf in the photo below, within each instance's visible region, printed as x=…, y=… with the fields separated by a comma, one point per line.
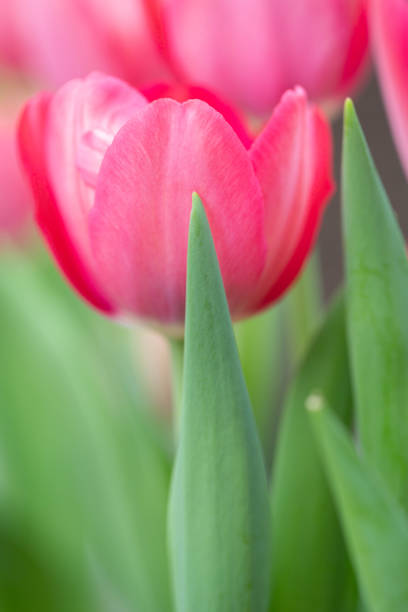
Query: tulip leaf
x=218, y=520
x=82, y=468
x=375, y=525
x=377, y=284
x=311, y=570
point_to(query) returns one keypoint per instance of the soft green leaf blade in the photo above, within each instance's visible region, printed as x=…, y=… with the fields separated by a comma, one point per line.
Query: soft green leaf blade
x=85, y=469
x=311, y=570
x=218, y=520
x=375, y=525
x=377, y=284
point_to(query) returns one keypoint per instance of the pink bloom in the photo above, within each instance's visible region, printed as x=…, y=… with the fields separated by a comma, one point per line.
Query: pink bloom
x=251, y=51
x=389, y=21
x=113, y=176
x=183, y=92
x=56, y=40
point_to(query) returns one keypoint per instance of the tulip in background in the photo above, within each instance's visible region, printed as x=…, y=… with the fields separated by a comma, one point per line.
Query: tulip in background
x=250, y=51
x=389, y=20
x=113, y=176
x=52, y=42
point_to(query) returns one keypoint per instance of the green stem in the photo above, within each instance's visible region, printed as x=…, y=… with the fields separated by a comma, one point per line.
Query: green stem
x=304, y=309
x=177, y=359
x=260, y=347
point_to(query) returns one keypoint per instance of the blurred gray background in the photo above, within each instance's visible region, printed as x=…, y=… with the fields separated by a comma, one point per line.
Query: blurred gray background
x=373, y=119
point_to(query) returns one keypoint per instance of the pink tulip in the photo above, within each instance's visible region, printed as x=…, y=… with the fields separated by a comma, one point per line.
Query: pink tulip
x=389, y=21
x=251, y=51
x=56, y=40
x=113, y=176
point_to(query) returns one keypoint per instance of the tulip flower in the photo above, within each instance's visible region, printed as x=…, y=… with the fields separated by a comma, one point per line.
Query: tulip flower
x=389, y=21
x=251, y=51
x=53, y=41
x=113, y=177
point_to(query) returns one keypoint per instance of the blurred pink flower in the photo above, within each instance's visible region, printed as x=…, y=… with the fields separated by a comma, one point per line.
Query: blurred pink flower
x=389, y=21
x=251, y=51
x=56, y=40
x=113, y=176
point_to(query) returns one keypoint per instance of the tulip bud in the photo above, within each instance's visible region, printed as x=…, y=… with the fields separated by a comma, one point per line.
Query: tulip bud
x=389, y=21
x=251, y=51
x=113, y=176
x=57, y=40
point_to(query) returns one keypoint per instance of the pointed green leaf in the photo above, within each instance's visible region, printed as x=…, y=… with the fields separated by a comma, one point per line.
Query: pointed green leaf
x=375, y=525
x=311, y=570
x=218, y=522
x=377, y=282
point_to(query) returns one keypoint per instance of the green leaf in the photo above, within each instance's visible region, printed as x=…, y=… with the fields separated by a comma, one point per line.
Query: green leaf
x=375, y=525
x=218, y=521
x=83, y=470
x=377, y=284
x=311, y=570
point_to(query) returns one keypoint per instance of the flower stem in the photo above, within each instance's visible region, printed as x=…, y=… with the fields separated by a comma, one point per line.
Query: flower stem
x=177, y=359
x=304, y=309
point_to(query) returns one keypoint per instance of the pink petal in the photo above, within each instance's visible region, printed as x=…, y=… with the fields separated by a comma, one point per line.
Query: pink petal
x=139, y=224
x=389, y=21
x=323, y=44
x=292, y=160
x=82, y=119
x=251, y=51
x=48, y=215
x=229, y=47
x=57, y=40
x=356, y=60
x=184, y=92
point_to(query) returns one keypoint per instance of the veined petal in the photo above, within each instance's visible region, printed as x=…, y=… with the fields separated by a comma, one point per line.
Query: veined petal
x=292, y=160
x=139, y=224
x=82, y=119
x=389, y=21
x=251, y=51
x=184, y=92
x=48, y=215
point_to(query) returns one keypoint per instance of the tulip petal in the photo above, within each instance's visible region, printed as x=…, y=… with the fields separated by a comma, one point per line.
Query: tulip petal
x=356, y=60
x=292, y=159
x=251, y=52
x=54, y=41
x=79, y=109
x=389, y=21
x=229, y=47
x=139, y=224
x=31, y=141
x=184, y=92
